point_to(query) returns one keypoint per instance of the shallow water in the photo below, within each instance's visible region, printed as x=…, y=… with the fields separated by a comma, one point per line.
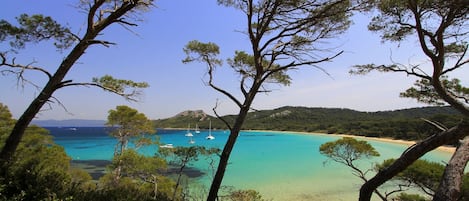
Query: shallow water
x=281, y=166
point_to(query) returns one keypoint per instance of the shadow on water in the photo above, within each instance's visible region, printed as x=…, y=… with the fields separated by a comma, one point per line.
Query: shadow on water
x=97, y=168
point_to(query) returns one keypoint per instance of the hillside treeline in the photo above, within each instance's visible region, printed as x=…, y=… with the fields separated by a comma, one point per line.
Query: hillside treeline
x=406, y=124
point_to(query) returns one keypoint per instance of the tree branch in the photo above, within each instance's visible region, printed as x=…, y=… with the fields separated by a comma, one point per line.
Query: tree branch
x=459, y=63
x=411, y=155
x=22, y=67
x=127, y=96
x=210, y=82
x=214, y=109
x=451, y=182
x=102, y=42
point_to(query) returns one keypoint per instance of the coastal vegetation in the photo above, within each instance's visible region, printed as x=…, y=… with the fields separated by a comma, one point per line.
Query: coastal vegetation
x=405, y=124
x=181, y=157
x=41, y=170
x=422, y=174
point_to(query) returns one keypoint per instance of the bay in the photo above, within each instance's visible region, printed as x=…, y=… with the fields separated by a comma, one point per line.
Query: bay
x=280, y=165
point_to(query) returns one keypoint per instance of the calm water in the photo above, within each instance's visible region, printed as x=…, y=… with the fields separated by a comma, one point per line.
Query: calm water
x=281, y=166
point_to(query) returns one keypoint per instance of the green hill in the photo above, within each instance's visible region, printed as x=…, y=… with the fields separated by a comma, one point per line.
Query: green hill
x=401, y=124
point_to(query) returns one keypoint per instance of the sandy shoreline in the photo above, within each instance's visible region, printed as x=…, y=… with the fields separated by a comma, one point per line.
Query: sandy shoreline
x=388, y=140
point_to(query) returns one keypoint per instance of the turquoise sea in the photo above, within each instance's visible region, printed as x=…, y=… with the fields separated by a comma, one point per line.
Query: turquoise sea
x=280, y=165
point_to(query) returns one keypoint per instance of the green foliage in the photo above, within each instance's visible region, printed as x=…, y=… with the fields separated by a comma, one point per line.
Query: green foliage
x=396, y=17
x=198, y=51
x=126, y=189
x=35, y=28
x=423, y=91
x=6, y=122
x=128, y=123
x=139, y=175
x=120, y=86
x=422, y=173
x=347, y=150
x=183, y=156
x=129, y=119
x=245, y=65
x=129, y=170
x=425, y=175
x=135, y=165
x=39, y=170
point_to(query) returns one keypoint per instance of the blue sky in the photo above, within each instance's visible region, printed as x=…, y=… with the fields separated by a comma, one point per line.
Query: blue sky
x=152, y=52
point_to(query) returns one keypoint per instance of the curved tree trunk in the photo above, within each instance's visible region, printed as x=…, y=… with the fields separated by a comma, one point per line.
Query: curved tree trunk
x=450, y=185
x=411, y=155
x=225, y=155
x=56, y=81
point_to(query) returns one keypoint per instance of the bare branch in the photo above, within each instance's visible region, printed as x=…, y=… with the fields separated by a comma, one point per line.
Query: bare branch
x=122, y=21
x=294, y=65
x=459, y=63
x=29, y=66
x=214, y=109
x=102, y=42
x=210, y=83
x=57, y=101
x=436, y=124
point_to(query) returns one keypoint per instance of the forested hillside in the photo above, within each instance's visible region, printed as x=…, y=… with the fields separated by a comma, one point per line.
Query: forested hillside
x=400, y=124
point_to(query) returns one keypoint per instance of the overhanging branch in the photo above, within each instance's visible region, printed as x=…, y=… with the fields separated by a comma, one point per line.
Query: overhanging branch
x=412, y=154
x=214, y=109
x=127, y=96
x=12, y=64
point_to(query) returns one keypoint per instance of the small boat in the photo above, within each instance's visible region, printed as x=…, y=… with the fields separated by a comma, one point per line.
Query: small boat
x=169, y=146
x=210, y=136
x=197, y=130
x=73, y=129
x=189, y=134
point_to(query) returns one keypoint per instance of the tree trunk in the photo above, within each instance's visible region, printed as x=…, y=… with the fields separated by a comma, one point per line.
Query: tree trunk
x=411, y=155
x=54, y=83
x=179, y=178
x=225, y=155
x=155, y=190
x=450, y=185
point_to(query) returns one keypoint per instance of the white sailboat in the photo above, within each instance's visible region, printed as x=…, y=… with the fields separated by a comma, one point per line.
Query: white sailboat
x=197, y=130
x=210, y=136
x=189, y=134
